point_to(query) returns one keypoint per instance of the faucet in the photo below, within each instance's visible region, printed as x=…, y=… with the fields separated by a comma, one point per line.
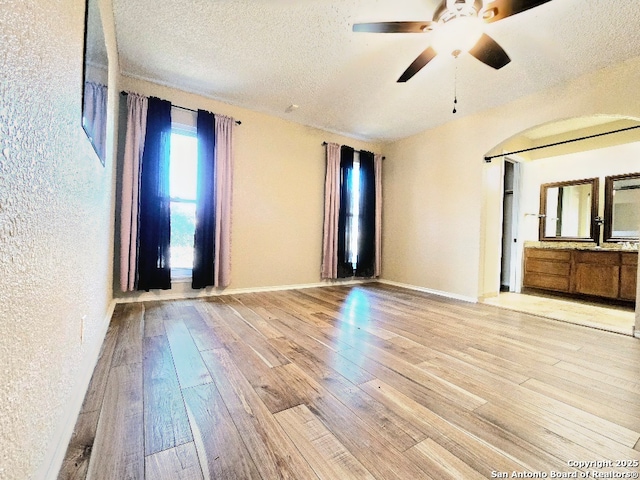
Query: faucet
x=599, y=221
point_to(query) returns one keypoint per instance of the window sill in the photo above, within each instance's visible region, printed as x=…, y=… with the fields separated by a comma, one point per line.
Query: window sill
x=181, y=274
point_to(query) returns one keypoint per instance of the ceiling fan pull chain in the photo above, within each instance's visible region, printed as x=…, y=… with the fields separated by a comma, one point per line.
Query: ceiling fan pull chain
x=455, y=85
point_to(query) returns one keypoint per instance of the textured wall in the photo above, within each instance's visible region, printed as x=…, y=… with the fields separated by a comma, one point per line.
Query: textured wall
x=55, y=229
x=278, y=198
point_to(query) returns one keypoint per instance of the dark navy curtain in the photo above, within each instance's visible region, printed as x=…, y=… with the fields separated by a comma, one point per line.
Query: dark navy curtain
x=204, y=251
x=366, y=241
x=154, y=231
x=345, y=267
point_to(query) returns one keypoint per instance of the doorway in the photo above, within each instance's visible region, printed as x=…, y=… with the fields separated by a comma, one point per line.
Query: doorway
x=507, y=225
x=510, y=204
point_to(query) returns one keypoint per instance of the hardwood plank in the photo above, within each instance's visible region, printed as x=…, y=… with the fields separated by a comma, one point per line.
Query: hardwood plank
x=365, y=442
x=398, y=432
x=532, y=432
x=626, y=419
x=423, y=378
x=190, y=368
x=76, y=461
x=479, y=455
x=273, y=453
x=520, y=395
x=178, y=463
x=253, y=318
x=581, y=386
x=600, y=377
x=326, y=455
x=95, y=393
x=526, y=453
x=119, y=437
x=154, y=315
x=543, y=403
x=221, y=450
x=165, y=418
x=250, y=336
x=440, y=463
x=203, y=335
x=268, y=384
x=128, y=348
x=557, y=425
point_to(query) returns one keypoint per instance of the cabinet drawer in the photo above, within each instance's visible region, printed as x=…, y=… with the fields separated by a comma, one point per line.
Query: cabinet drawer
x=537, y=265
x=547, y=282
x=600, y=258
x=629, y=258
x=548, y=254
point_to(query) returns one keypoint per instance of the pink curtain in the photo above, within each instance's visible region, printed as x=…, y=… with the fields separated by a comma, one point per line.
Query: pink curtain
x=224, y=192
x=133, y=149
x=331, y=209
x=377, y=165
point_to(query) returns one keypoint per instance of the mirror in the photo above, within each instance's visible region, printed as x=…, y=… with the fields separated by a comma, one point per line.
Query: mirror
x=95, y=77
x=568, y=210
x=622, y=208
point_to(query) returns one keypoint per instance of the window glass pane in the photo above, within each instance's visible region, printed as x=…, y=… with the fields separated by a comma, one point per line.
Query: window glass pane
x=354, y=220
x=183, y=224
x=184, y=166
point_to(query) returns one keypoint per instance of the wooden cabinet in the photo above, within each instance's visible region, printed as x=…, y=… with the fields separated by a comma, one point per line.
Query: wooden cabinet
x=629, y=276
x=547, y=269
x=598, y=273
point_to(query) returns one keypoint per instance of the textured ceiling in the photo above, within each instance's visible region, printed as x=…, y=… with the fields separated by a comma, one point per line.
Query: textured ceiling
x=268, y=54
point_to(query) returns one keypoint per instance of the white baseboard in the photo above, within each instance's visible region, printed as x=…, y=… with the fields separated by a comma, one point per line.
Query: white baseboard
x=210, y=292
x=454, y=296
x=52, y=463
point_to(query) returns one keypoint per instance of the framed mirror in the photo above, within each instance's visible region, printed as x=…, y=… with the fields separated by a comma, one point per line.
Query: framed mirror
x=622, y=208
x=568, y=211
x=95, y=78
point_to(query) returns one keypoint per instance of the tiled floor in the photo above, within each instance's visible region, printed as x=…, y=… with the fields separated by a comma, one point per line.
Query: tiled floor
x=614, y=319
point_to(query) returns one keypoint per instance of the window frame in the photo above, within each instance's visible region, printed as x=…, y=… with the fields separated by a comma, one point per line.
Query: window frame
x=183, y=122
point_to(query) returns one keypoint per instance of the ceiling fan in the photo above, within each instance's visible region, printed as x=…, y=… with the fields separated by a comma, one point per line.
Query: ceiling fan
x=457, y=27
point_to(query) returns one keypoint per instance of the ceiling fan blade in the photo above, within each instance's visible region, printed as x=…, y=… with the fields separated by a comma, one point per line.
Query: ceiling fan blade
x=392, y=27
x=499, y=9
x=489, y=52
x=424, y=58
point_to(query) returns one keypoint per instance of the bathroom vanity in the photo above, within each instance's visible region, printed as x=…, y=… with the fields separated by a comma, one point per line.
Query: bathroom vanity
x=610, y=274
x=569, y=257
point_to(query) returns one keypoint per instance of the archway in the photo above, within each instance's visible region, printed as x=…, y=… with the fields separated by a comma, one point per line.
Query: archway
x=552, y=144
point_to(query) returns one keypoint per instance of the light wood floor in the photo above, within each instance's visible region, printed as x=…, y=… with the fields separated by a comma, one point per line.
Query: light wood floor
x=370, y=382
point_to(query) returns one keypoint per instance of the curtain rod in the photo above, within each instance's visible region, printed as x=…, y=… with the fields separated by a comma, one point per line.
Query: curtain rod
x=488, y=159
x=238, y=122
x=325, y=144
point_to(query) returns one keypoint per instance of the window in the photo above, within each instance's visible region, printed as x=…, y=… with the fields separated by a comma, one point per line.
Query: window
x=353, y=216
x=183, y=173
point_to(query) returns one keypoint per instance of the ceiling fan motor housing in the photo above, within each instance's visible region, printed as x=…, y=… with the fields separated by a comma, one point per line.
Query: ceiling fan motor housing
x=450, y=9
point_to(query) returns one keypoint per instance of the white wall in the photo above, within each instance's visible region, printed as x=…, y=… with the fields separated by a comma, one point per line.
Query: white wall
x=442, y=202
x=56, y=233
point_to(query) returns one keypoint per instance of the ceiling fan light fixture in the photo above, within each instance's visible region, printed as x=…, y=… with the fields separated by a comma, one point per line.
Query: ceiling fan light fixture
x=457, y=34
